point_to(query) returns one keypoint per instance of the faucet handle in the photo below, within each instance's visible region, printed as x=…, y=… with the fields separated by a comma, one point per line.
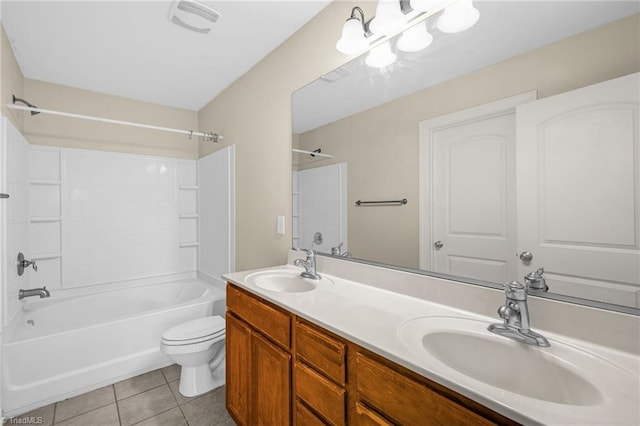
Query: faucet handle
x=535, y=280
x=515, y=291
x=23, y=263
x=310, y=253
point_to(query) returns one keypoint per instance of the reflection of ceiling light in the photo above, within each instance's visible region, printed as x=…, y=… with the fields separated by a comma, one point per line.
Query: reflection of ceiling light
x=458, y=17
x=353, y=38
x=389, y=18
x=193, y=15
x=381, y=56
x=394, y=16
x=415, y=38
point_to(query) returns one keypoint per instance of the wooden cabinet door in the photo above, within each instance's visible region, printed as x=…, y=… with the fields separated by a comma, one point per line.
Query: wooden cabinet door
x=238, y=352
x=367, y=417
x=271, y=383
x=406, y=401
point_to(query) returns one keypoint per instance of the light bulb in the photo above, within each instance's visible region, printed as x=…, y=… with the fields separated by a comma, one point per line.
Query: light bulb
x=415, y=38
x=389, y=18
x=458, y=17
x=353, y=39
x=381, y=56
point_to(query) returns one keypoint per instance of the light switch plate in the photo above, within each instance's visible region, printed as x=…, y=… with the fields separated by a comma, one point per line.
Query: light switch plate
x=280, y=225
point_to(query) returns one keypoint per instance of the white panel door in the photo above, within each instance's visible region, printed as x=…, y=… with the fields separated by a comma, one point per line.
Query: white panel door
x=474, y=199
x=322, y=207
x=578, y=172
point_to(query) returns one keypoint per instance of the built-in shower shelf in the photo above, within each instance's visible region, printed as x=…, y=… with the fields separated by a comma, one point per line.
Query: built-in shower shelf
x=189, y=244
x=189, y=216
x=45, y=182
x=45, y=219
x=189, y=187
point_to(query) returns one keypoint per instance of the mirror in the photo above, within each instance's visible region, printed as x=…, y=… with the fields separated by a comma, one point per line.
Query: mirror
x=449, y=129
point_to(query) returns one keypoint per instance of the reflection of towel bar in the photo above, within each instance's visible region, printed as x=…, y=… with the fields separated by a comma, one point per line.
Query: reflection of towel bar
x=398, y=202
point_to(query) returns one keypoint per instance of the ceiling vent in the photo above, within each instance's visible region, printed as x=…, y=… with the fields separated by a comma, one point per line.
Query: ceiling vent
x=193, y=15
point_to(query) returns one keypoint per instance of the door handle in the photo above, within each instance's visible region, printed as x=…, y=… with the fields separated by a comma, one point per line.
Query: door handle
x=526, y=256
x=438, y=245
x=4, y=195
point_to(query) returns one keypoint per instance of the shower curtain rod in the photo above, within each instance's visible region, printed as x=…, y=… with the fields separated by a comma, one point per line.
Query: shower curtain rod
x=207, y=136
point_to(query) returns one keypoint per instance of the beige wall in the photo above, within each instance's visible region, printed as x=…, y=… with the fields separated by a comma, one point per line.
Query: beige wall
x=46, y=129
x=254, y=114
x=75, y=133
x=11, y=80
x=381, y=144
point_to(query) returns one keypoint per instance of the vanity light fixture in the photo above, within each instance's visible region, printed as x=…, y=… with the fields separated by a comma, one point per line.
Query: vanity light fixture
x=354, y=34
x=415, y=38
x=392, y=16
x=381, y=56
x=458, y=17
x=389, y=18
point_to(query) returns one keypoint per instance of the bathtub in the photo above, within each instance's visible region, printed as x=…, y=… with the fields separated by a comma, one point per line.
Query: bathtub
x=56, y=348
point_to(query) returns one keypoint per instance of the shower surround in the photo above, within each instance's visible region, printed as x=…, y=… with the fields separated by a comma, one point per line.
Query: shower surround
x=97, y=221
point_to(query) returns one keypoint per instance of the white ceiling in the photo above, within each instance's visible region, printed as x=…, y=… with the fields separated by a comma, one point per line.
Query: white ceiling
x=506, y=28
x=130, y=49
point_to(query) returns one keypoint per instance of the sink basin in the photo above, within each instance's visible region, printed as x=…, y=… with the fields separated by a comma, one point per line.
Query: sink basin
x=285, y=281
x=561, y=373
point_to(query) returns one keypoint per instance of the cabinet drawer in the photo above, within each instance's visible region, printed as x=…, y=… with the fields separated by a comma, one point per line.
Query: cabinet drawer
x=325, y=397
x=321, y=351
x=305, y=417
x=265, y=317
x=366, y=417
x=406, y=401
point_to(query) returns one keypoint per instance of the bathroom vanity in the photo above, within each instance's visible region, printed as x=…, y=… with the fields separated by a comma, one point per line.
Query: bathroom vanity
x=337, y=352
x=281, y=366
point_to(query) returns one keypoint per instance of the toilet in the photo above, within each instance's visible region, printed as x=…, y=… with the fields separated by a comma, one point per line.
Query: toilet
x=199, y=347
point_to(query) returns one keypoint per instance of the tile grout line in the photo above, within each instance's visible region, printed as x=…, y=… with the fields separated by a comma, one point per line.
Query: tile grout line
x=175, y=398
x=155, y=415
x=139, y=393
x=55, y=409
x=115, y=397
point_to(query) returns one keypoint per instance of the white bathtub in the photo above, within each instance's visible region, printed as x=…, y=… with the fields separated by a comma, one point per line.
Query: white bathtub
x=60, y=347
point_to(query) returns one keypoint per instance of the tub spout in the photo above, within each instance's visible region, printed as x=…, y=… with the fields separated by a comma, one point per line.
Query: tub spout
x=42, y=292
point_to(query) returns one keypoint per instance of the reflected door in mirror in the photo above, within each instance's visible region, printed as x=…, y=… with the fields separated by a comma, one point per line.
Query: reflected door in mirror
x=473, y=166
x=578, y=159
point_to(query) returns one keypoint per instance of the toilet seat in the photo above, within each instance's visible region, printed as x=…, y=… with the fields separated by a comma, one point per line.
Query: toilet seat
x=201, y=330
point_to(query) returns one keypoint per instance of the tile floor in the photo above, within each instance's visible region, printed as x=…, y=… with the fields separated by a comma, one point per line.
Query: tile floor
x=151, y=399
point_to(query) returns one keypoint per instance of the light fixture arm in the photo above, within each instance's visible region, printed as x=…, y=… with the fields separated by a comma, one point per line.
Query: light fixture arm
x=353, y=14
x=365, y=24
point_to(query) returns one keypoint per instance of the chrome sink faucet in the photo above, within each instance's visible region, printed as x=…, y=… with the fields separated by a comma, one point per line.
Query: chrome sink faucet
x=337, y=251
x=515, y=314
x=535, y=281
x=42, y=292
x=309, y=265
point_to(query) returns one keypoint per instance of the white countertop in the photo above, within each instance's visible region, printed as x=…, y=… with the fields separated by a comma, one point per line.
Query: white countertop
x=371, y=317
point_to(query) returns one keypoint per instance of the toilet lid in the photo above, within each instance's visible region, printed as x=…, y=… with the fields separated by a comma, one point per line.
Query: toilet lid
x=196, y=329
